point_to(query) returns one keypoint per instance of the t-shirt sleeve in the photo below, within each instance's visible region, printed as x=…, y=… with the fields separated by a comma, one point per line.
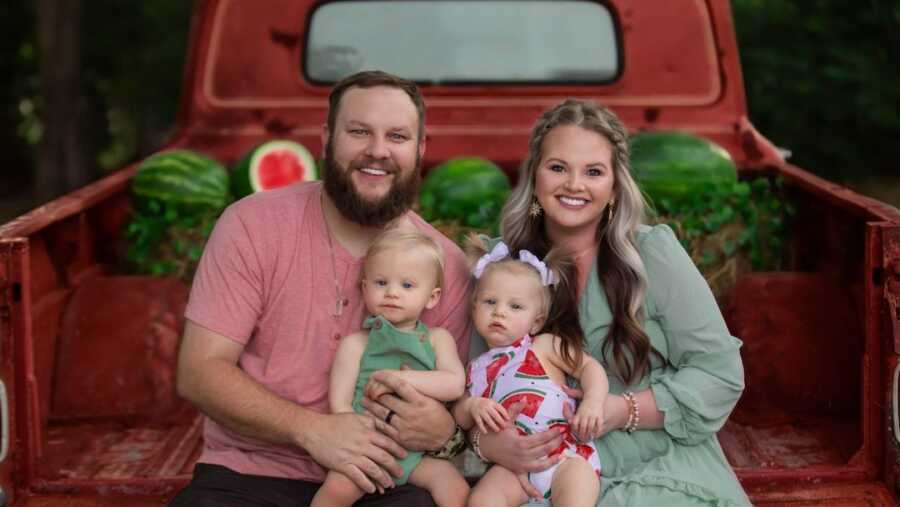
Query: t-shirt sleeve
x=227, y=291
x=706, y=377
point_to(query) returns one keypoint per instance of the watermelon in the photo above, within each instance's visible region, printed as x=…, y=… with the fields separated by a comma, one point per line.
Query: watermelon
x=531, y=367
x=271, y=165
x=181, y=179
x=531, y=397
x=468, y=190
x=675, y=168
x=492, y=370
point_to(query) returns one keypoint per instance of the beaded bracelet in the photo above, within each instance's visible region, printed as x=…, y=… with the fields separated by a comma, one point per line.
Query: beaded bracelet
x=476, y=441
x=634, y=413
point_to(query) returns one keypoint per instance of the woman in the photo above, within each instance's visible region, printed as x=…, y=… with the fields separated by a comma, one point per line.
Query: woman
x=648, y=316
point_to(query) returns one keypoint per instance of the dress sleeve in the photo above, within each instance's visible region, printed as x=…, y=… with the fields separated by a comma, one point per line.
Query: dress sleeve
x=705, y=376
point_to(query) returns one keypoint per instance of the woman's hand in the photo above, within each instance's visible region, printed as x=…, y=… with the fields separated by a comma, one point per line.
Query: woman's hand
x=517, y=453
x=419, y=423
x=615, y=412
x=488, y=414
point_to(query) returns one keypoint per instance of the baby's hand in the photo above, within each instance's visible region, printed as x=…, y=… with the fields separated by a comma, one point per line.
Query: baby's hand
x=375, y=389
x=588, y=420
x=488, y=414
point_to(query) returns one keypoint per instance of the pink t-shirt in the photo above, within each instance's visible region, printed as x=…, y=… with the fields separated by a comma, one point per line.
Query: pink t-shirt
x=266, y=282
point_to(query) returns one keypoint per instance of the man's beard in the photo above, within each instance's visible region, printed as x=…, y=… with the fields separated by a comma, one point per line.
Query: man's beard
x=354, y=207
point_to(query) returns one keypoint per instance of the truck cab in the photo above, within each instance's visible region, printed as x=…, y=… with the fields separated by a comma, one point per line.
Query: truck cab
x=87, y=352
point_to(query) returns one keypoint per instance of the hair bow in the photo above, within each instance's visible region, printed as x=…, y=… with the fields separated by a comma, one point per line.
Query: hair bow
x=501, y=251
x=547, y=277
x=498, y=253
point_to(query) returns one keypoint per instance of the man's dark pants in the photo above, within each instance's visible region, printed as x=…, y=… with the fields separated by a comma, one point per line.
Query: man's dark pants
x=218, y=486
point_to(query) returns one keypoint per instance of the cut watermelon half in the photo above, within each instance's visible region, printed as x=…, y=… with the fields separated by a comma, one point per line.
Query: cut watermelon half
x=273, y=164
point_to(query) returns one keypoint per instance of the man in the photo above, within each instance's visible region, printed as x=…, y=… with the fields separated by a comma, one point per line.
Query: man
x=275, y=291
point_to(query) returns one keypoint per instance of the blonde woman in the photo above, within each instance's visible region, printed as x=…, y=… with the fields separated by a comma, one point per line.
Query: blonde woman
x=648, y=317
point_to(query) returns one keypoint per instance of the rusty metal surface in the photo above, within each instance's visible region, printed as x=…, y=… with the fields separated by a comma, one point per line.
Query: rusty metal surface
x=781, y=450
x=868, y=494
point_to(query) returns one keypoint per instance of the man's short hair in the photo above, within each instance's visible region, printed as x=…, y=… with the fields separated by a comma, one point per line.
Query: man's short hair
x=371, y=79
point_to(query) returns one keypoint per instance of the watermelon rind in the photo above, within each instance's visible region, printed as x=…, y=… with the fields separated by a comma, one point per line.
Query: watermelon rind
x=245, y=176
x=181, y=179
x=675, y=168
x=468, y=190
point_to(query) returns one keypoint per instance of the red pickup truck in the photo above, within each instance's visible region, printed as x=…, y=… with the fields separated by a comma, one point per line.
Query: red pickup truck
x=88, y=411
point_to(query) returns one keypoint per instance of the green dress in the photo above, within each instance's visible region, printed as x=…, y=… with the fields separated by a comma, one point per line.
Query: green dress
x=388, y=348
x=697, y=386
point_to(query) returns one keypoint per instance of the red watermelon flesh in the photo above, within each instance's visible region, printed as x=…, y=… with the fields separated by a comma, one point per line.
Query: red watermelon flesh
x=492, y=371
x=532, y=400
x=279, y=168
x=531, y=366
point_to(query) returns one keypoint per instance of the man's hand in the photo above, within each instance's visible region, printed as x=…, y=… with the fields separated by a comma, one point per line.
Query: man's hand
x=488, y=414
x=419, y=423
x=521, y=454
x=353, y=445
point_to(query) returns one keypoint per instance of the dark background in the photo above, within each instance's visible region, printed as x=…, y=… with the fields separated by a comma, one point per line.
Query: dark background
x=821, y=77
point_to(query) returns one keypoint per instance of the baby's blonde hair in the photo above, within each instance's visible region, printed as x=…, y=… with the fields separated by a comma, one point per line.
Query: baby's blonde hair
x=404, y=239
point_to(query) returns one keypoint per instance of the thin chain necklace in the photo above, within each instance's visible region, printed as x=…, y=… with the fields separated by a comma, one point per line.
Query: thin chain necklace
x=340, y=302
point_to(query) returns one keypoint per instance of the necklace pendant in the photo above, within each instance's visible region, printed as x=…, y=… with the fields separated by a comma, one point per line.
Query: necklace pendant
x=338, y=307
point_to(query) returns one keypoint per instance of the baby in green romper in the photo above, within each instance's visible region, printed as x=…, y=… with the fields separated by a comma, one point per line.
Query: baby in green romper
x=401, y=277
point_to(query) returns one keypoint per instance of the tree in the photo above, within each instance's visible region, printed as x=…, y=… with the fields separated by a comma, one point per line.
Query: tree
x=61, y=161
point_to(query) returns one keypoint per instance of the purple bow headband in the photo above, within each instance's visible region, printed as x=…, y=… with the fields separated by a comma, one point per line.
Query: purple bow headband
x=501, y=251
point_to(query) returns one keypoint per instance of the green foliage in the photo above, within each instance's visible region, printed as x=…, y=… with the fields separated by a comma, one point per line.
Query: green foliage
x=749, y=219
x=821, y=79
x=166, y=241
x=133, y=59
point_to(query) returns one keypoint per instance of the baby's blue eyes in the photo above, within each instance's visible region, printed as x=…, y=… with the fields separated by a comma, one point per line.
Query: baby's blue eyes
x=407, y=285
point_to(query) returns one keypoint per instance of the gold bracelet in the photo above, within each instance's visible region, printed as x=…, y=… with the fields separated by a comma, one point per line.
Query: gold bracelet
x=634, y=412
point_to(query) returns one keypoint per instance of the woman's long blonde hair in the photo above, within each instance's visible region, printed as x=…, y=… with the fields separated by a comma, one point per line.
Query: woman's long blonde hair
x=619, y=266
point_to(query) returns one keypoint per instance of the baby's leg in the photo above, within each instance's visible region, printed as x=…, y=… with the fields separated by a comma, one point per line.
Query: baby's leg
x=499, y=487
x=336, y=491
x=442, y=480
x=575, y=483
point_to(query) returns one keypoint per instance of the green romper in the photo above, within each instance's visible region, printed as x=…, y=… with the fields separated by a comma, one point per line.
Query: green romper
x=388, y=348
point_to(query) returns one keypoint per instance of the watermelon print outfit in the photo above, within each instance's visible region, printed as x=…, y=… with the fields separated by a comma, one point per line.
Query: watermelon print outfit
x=512, y=374
x=696, y=382
x=388, y=348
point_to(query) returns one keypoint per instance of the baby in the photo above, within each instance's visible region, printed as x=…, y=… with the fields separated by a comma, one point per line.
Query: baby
x=401, y=277
x=512, y=303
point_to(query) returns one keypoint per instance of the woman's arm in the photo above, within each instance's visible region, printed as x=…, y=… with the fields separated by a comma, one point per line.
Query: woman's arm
x=704, y=375
x=345, y=371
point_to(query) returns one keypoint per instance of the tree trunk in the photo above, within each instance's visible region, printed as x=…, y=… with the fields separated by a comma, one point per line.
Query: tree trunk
x=61, y=160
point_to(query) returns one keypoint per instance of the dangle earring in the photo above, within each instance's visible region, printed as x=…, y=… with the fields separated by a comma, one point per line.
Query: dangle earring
x=611, y=208
x=536, y=209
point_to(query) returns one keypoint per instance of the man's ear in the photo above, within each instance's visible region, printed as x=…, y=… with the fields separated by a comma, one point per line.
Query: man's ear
x=325, y=135
x=538, y=324
x=422, y=146
x=433, y=298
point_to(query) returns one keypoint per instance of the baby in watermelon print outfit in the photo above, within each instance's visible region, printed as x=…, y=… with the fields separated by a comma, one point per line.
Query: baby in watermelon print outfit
x=401, y=277
x=513, y=303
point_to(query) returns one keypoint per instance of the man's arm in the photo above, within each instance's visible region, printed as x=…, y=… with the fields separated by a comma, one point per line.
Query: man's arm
x=208, y=377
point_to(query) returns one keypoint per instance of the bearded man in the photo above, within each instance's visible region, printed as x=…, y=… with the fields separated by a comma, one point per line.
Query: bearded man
x=277, y=288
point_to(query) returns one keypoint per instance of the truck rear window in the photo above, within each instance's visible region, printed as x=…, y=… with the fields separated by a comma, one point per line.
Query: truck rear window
x=464, y=41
